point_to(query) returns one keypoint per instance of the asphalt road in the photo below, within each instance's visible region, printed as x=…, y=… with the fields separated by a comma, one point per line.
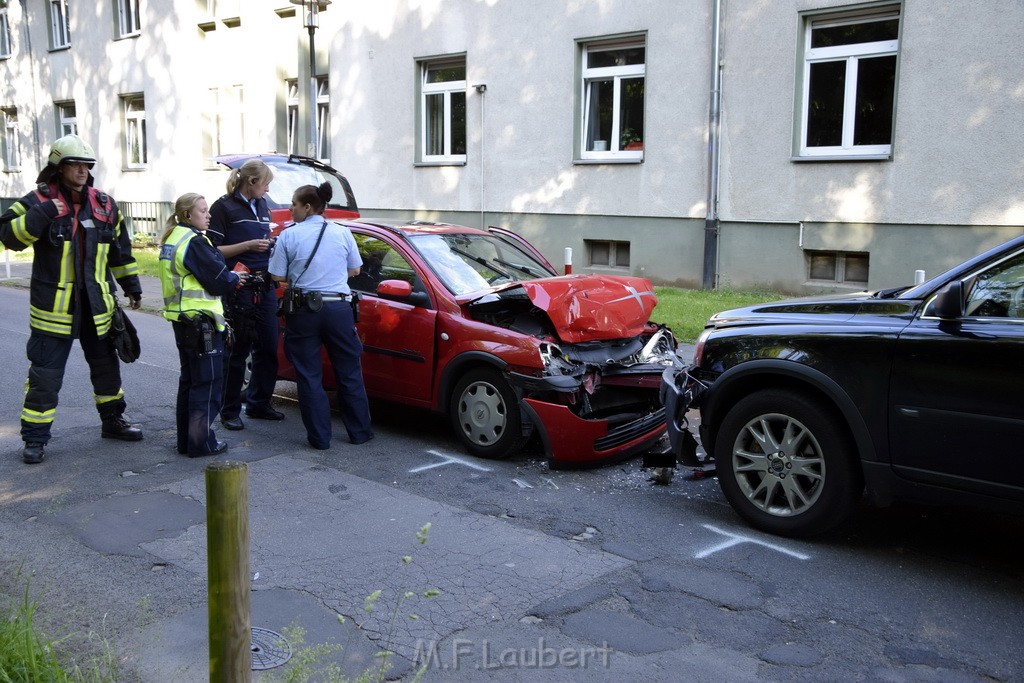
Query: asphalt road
x=543, y=575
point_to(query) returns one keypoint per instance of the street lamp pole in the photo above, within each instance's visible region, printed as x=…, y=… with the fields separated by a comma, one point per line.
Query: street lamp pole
x=311, y=20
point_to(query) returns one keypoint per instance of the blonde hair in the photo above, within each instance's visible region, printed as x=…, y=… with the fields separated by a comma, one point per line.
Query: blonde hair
x=253, y=170
x=182, y=208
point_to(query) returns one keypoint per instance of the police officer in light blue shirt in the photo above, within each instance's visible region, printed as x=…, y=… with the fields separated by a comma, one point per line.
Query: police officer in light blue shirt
x=308, y=256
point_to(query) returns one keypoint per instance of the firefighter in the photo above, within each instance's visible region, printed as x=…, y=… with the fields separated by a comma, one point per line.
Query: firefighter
x=80, y=247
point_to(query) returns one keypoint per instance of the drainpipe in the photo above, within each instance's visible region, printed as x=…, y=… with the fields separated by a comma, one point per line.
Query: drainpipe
x=711, y=222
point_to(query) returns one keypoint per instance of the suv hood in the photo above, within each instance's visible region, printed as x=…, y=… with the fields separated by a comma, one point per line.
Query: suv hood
x=582, y=308
x=825, y=308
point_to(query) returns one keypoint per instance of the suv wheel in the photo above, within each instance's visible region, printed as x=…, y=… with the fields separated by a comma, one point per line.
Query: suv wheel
x=785, y=464
x=485, y=414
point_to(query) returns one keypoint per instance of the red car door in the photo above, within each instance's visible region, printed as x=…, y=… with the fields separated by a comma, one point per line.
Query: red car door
x=397, y=332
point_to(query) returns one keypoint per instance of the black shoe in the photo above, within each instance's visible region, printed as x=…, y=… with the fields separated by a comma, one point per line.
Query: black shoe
x=33, y=453
x=220, y=448
x=120, y=428
x=267, y=413
x=356, y=442
x=232, y=423
x=319, y=447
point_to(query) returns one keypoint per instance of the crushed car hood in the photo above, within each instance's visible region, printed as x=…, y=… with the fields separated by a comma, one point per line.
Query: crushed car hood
x=590, y=307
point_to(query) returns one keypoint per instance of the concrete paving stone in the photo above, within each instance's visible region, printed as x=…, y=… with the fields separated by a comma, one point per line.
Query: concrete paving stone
x=573, y=601
x=118, y=525
x=621, y=632
x=342, y=548
x=718, y=587
x=178, y=649
x=792, y=654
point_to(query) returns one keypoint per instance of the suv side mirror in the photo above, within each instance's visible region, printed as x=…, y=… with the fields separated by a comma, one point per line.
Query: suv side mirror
x=949, y=302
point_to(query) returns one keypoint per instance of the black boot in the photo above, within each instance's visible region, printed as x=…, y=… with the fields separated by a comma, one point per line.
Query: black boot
x=33, y=452
x=120, y=428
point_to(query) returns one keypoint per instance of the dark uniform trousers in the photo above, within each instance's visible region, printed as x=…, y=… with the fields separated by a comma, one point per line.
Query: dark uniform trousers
x=333, y=328
x=200, y=390
x=48, y=357
x=262, y=341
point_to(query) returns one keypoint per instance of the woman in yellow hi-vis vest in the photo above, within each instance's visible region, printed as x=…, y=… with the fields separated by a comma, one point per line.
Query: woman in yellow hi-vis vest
x=193, y=278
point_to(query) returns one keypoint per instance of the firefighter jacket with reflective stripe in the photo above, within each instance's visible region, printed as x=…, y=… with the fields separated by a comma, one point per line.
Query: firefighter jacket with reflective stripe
x=78, y=254
x=193, y=276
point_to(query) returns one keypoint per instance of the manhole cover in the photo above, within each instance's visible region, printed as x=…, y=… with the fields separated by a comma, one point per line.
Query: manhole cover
x=269, y=649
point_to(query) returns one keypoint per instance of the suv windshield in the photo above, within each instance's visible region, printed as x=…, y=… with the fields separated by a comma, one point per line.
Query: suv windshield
x=289, y=176
x=469, y=262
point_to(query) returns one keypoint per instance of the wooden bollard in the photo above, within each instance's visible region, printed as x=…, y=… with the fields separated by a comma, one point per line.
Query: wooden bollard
x=227, y=550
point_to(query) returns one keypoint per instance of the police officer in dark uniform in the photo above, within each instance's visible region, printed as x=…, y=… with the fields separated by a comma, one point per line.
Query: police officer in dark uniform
x=308, y=256
x=240, y=228
x=193, y=278
x=80, y=247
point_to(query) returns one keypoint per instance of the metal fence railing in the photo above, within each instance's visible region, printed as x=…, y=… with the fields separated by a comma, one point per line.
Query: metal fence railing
x=144, y=220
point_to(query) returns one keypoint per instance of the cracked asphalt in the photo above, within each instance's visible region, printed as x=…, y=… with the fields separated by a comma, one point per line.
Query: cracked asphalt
x=542, y=575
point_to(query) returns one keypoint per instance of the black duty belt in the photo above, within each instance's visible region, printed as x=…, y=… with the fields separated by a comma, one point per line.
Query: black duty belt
x=331, y=296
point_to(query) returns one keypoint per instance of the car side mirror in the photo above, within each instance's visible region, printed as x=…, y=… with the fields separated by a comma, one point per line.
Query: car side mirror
x=949, y=302
x=395, y=288
x=400, y=289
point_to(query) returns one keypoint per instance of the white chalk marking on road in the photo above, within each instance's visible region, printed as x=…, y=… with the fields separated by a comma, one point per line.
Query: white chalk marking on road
x=736, y=539
x=522, y=484
x=548, y=481
x=448, y=460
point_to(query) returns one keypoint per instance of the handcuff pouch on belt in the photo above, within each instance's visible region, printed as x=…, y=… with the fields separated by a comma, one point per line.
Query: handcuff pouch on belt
x=290, y=301
x=200, y=332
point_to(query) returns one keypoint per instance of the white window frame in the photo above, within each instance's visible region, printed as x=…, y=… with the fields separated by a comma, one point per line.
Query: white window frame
x=134, y=107
x=223, y=122
x=60, y=30
x=129, y=22
x=11, y=139
x=5, y=34
x=851, y=54
x=67, y=118
x=323, y=119
x=445, y=89
x=590, y=76
x=292, y=114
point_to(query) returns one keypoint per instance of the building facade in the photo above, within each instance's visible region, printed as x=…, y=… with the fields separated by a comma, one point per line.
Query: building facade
x=795, y=144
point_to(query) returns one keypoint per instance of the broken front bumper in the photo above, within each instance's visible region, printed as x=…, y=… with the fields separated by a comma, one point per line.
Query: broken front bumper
x=571, y=441
x=680, y=392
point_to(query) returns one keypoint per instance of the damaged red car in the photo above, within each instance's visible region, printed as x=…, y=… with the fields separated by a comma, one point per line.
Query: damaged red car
x=478, y=325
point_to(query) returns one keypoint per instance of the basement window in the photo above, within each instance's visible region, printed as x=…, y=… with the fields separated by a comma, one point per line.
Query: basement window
x=838, y=267
x=607, y=254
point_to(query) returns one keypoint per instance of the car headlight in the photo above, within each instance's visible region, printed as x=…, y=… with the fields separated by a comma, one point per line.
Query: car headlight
x=660, y=348
x=698, y=349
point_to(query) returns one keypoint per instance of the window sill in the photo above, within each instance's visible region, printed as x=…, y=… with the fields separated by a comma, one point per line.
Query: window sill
x=427, y=164
x=129, y=36
x=844, y=157
x=832, y=284
x=590, y=162
x=61, y=48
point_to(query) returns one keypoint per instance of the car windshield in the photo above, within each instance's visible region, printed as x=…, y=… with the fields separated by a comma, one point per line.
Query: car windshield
x=469, y=262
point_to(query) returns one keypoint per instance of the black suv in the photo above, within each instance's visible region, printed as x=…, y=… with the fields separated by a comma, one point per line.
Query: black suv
x=905, y=393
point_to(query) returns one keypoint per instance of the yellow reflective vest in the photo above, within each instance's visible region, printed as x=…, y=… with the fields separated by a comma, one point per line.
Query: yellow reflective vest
x=183, y=293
